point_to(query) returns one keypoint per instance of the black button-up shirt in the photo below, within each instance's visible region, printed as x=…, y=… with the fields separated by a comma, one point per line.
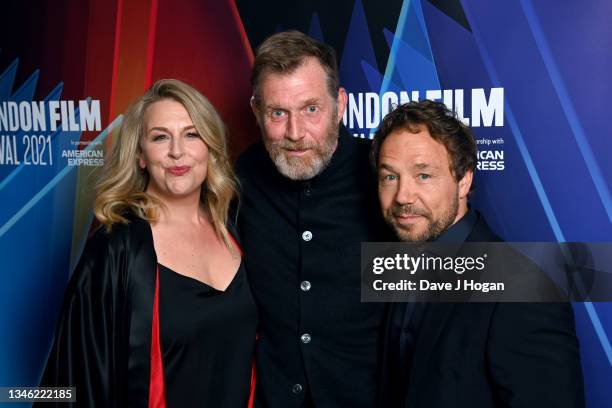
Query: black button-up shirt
x=302, y=252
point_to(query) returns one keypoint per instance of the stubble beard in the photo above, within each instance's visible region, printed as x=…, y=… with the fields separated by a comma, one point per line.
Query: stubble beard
x=435, y=227
x=309, y=165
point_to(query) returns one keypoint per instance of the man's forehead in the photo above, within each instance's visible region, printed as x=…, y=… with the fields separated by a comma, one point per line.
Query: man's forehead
x=293, y=96
x=412, y=161
x=414, y=150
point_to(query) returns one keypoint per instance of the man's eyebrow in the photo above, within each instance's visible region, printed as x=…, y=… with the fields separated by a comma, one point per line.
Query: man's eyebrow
x=311, y=101
x=307, y=102
x=385, y=166
x=273, y=106
x=425, y=166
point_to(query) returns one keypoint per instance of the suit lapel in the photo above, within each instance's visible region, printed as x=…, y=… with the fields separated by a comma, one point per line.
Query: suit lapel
x=387, y=374
x=434, y=320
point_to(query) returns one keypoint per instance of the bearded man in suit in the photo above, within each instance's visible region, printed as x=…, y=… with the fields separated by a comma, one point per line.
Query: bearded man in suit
x=473, y=355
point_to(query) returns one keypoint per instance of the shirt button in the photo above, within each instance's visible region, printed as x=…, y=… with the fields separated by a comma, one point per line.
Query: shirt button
x=305, y=338
x=305, y=286
x=296, y=389
x=306, y=235
x=307, y=192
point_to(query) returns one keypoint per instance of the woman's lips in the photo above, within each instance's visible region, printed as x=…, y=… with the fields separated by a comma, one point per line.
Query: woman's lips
x=178, y=170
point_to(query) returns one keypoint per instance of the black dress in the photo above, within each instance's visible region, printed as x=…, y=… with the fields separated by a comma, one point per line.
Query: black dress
x=207, y=340
x=103, y=343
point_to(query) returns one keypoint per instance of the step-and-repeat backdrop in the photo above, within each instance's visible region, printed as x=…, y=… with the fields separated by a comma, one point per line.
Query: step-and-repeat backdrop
x=531, y=77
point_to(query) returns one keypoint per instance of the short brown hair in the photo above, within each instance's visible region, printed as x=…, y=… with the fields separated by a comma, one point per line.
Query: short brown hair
x=284, y=52
x=443, y=126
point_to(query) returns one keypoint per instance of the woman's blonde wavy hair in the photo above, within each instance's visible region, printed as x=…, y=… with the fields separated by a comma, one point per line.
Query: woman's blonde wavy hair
x=122, y=184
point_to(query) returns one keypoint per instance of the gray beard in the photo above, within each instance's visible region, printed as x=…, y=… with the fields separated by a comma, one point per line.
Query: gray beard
x=303, y=168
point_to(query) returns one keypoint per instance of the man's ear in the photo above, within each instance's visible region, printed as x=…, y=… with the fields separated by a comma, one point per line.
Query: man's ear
x=465, y=183
x=254, y=109
x=341, y=101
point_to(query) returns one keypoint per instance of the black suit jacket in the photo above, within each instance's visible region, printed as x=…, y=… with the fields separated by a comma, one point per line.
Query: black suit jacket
x=484, y=354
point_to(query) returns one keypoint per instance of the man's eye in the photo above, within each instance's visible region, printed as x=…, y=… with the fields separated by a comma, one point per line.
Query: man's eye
x=312, y=109
x=424, y=176
x=277, y=114
x=388, y=178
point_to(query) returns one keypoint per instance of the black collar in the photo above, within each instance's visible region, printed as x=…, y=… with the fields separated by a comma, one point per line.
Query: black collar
x=459, y=231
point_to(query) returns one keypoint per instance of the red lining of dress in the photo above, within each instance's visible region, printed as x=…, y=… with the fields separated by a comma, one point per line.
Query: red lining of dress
x=157, y=388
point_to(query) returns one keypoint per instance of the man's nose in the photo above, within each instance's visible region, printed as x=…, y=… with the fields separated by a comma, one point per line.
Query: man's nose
x=406, y=191
x=295, y=127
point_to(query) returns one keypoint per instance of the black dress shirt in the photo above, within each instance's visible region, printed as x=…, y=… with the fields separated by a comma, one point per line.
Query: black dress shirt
x=302, y=253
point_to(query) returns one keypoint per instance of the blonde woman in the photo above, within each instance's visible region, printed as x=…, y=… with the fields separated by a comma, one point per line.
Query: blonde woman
x=158, y=310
